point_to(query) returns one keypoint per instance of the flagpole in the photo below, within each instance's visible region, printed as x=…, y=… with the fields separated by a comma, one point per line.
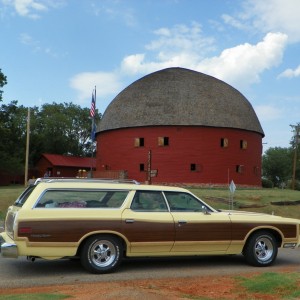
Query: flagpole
x=94, y=95
x=92, y=146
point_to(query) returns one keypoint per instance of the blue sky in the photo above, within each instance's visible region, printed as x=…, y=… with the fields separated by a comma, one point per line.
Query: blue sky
x=59, y=50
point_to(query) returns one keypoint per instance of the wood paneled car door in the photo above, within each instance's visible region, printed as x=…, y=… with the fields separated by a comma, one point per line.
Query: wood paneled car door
x=198, y=229
x=148, y=224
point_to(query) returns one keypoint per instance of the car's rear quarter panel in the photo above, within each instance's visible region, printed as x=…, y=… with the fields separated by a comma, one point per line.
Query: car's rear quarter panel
x=59, y=231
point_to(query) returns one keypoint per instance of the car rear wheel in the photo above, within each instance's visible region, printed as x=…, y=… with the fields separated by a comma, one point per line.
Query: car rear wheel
x=261, y=249
x=101, y=254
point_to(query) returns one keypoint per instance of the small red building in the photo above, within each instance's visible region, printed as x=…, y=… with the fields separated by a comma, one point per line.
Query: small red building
x=181, y=126
x=55, y=165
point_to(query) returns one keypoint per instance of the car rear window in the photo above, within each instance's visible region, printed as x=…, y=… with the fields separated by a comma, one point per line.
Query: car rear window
x=62, y=198
x=24, y=196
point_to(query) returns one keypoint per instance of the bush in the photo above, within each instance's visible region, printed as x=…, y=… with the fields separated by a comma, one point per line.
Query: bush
x=266, y=183
x=297, y=184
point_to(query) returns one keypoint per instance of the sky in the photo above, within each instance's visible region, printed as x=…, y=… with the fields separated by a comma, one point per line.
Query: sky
x=60, y=50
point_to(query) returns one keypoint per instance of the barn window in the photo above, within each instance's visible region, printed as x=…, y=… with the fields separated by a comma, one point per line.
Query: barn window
x=163, y=141
x=196, y=167
x=193, y=167
x=139, y=142
x=239, y=169
x=243, y=144
x=224, y=142
x=256, y=170
x=142, y=167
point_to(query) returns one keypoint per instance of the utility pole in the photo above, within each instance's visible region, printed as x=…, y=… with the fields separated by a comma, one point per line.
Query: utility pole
x=27, y=148
x=296, y=141
x=149, y=167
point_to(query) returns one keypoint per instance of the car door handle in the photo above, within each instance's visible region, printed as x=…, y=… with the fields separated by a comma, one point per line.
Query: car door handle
x=181, y=222
x=129, y=221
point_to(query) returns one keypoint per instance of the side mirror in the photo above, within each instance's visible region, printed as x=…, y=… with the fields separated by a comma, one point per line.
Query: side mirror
x=205, y=210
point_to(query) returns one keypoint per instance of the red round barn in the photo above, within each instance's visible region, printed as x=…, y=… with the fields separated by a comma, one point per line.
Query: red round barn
x=181, y=126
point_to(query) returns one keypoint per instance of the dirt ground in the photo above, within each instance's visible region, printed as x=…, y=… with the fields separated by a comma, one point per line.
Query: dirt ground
x=210, y=287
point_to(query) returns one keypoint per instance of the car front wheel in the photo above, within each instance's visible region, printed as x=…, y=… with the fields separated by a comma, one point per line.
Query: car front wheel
x=261, y=249
x=101, y=254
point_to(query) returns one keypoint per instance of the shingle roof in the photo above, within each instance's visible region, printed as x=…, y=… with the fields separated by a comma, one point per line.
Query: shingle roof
x=177, y=96
x=70, y=161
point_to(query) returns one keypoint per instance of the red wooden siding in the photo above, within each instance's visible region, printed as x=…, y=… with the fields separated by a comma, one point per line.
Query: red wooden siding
x=187, y=145
x=64, y=166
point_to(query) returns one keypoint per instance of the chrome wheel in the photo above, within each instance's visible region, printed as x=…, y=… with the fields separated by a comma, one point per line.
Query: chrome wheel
x=261, y=249
x=264, y=249
x=102, y=253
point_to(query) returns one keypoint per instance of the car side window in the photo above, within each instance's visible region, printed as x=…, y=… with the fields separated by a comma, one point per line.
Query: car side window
x=183, y=202
x=148, y=201
x=75, y=198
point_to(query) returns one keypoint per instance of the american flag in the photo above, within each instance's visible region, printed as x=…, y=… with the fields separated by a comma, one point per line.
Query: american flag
x=93, y=105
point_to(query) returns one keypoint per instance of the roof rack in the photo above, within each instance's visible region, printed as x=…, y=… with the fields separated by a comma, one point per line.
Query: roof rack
x=72, y=179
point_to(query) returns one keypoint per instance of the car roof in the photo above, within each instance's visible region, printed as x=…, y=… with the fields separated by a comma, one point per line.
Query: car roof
x=90, y=183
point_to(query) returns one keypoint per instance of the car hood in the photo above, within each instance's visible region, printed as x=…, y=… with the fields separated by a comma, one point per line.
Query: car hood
x=235, y=214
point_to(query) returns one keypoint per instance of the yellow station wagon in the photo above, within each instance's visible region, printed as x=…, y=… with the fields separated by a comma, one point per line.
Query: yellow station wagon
x=103, y=221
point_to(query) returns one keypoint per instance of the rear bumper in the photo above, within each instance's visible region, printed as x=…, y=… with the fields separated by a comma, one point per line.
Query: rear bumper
x=8, y=248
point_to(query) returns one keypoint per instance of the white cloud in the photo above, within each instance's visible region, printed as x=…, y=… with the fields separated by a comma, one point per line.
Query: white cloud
x=115, y=10
x=233, y=22
x=35, y=45
x=269, y=16
x=27, y=8
x=28, y=40
x=179, y=39
x=106, y=84
x=32, y=8
x=242, y=65
x=136, y=64
x=131, y=64
x=290, y=73
x=177, y=46
x=268, y=112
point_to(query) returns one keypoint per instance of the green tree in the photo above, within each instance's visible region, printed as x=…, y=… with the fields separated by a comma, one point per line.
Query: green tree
x=54, y=128
x=62, y=129
x=12, y=132
x=3, y=81
x=277, y=165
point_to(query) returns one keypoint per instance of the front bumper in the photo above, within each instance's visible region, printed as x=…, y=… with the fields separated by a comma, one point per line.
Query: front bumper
x=8, y=249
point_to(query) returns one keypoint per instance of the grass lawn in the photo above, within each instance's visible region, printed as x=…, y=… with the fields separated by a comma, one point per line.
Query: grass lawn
x=8, y=194
x=257, y=200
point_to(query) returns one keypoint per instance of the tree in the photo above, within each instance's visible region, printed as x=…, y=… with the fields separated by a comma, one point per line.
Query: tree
x=277, y=165
x=3, y=81
x=62, y=129
x=12, y=132
x=54, y=128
